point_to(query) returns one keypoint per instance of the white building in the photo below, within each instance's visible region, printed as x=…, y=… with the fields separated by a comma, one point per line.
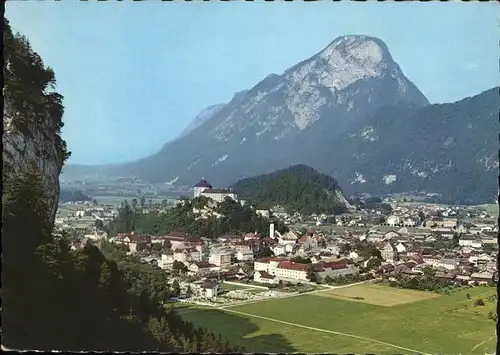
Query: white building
x=203, y=188
x=244, y=255
x=263, y=213
x=220, y=257
x=393, y=221
x=291, y=270
x=265, y=277
x=279, y=249
x=209, y=289
x=400, y=248
x=288, y=238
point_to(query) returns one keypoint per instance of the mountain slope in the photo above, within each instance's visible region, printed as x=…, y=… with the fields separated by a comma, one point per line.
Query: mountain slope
x=314, y=102
x=203, y=116
x=297, y=188
x=451, y=149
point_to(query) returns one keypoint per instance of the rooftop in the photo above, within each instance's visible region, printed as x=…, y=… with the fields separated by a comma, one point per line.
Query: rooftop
x=203, y=183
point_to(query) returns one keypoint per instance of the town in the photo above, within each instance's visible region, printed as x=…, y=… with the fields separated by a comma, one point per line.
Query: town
x=455, y=245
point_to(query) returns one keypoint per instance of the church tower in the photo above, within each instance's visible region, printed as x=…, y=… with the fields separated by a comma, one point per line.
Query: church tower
x=201, y=186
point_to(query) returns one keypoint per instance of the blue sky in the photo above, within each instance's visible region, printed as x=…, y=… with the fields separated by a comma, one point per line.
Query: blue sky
x=134, y=74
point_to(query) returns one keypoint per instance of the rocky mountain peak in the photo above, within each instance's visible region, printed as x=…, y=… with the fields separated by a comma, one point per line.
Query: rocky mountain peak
x=344, y=61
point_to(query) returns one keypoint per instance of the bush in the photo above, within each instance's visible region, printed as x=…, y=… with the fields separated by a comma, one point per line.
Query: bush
x=479, y=302
x=468, y=296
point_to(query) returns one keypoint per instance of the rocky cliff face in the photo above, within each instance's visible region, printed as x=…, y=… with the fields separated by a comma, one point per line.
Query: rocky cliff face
x=32, y=117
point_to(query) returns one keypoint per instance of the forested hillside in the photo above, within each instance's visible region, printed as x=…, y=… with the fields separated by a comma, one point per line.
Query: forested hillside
x=73, y=195
x=53, y=297
x=297, y=188
x=181, y=218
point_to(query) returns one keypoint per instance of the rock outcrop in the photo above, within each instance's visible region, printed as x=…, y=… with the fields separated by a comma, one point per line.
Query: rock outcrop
x=32, y=117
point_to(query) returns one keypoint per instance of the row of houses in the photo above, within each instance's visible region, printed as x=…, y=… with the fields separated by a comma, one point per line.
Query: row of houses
x=274, y=269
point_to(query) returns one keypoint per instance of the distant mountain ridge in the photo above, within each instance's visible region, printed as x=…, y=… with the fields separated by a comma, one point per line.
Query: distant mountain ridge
x=203, y=116
x=304, y=116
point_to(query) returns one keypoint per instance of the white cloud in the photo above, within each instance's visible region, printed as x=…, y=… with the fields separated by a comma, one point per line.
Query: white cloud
x=469, y=66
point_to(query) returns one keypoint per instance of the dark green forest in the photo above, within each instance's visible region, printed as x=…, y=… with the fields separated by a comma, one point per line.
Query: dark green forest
x=297, y=188
x=235, y=219
x=57, y=298
x=73, y=195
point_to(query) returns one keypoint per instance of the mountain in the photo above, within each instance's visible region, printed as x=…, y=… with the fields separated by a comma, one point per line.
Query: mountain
x=315, y=101
x=204, y=115
x=451, y=149
x=297, y=188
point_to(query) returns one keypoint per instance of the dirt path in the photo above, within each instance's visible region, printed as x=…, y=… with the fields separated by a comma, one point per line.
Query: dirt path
x=481, y=343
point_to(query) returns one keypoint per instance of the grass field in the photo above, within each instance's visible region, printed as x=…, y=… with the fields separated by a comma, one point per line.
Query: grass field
x=377, y=295
x=491, y=209
x=310, y=323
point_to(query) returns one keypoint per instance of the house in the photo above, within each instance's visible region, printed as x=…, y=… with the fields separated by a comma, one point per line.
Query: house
x=290, y=270
x=132, y=241
x=167, y=261
x=445, y=275
x=264, y=213
x=393, y=221
x=209, y=289
x=390, y=235
x=461, y=229
x=268, y=264
x=279, y=249
x=269, y=242
x=230, y=238
x=375, y=238
x=335, y=268
x=400, y=248
x=220, y=257
x=449, y=264
x=251, y=236
x=245, y=271
x=201, y=268
x=187, y=255
x=289, y=248
x=244, y=255
x=466, y=241
x=445, y=223
x=387, y=251
x=462, y=278
x=386, y=269
x=288, y=238
x=481, y=277
x=265, y=277
x=353, y=255
x=177, y=239
x=315, y=259
x=489, y=239
x=409, y=222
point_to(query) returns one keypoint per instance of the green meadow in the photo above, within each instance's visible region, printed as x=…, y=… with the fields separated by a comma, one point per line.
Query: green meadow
x=407, y=322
